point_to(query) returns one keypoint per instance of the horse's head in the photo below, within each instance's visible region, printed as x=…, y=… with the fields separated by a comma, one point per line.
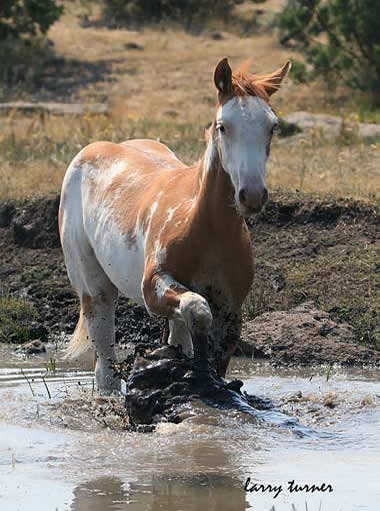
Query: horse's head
x=243, y=130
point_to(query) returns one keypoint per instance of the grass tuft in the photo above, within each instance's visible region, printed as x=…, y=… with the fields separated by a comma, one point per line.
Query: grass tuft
x=16, y=315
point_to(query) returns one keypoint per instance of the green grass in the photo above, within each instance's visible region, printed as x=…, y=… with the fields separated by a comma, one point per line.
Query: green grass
x=16, y=315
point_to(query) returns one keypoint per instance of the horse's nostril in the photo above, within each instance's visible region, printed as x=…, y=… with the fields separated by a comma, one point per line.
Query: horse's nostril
x=265, y=195
x=243, y=196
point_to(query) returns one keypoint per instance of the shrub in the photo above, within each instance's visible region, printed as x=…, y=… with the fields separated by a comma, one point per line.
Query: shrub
x=187, y=12
x=23, y=47
x=341, y=39
x=20, y=18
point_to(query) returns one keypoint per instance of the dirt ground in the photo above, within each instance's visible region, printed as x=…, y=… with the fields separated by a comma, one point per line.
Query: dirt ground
x=327, y=251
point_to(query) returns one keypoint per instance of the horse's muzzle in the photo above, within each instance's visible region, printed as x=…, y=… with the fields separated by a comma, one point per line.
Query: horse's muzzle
x=252, y=202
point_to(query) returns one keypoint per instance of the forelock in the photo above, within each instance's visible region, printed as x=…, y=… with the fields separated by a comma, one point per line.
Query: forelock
x=247, y=85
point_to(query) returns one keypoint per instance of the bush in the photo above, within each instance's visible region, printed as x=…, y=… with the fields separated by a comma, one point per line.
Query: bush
x=341, y=39
x=187, y=12
x=20, y=18
x=23, y=47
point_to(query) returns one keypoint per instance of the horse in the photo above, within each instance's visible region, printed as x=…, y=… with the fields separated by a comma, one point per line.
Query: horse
x=135, y=220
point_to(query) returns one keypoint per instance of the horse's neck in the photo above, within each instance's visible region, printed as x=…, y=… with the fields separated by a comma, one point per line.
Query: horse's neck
x=216, y=203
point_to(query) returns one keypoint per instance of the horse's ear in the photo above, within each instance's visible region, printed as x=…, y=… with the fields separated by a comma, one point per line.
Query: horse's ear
x=273, y=81
x=223, y=77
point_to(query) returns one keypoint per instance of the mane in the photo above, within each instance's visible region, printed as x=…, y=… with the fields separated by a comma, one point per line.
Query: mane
x=248, y=85
x=245, y=84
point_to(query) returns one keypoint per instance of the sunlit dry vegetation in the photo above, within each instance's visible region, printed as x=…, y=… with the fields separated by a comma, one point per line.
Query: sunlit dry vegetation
x=34, y=154
x=164, y=90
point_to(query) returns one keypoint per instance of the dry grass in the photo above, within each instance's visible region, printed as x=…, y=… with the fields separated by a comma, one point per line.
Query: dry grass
x=34, y=155
x=166, y=92
x=314, y=164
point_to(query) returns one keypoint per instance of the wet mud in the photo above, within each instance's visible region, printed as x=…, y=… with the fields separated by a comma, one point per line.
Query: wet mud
x=163, y=385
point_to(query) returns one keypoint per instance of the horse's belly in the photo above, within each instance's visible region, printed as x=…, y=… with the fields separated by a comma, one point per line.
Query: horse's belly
x=121, y=257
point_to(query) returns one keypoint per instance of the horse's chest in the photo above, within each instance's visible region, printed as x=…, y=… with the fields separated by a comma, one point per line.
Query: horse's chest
x=224, y=279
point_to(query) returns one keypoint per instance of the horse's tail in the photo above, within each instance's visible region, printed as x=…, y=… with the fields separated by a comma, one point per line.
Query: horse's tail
x=79, y=343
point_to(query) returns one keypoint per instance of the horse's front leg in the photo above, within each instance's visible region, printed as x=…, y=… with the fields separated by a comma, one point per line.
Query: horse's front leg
x=189, y=313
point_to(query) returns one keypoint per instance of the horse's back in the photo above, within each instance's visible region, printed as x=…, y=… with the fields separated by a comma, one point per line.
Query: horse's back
x=157, y=153
x=138, y=155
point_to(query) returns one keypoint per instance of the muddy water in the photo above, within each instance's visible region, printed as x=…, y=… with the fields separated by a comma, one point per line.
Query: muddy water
x=54, y=455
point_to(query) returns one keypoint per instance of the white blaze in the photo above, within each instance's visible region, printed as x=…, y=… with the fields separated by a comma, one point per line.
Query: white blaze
x=247, y=124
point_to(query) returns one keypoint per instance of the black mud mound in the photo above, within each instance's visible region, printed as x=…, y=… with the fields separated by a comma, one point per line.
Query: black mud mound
x=161, y=383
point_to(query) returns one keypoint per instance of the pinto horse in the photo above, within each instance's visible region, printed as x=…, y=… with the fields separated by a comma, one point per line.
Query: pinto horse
x=135, y=220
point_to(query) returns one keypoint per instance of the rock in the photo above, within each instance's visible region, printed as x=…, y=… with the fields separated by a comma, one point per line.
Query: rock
x=304, y=335
x=133, y=46
x=34, y=347
x=171, y=113
x=287, y=129
x=216, y=36
x=331, y=125
x=54, y=108
x=367, y=130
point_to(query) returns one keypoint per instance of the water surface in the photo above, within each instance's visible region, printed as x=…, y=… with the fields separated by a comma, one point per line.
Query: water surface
x=55, y=456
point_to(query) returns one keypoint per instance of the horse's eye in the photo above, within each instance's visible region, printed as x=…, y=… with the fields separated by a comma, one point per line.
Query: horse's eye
x=221, y=128
x=274, y=129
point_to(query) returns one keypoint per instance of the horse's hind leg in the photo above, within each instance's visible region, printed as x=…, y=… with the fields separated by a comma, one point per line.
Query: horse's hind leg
x=96, y=292
x=98, y=298
x=99, y=314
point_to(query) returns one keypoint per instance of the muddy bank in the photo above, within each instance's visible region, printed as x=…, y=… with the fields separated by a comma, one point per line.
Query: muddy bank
x=327, y=251
x=304, y=334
